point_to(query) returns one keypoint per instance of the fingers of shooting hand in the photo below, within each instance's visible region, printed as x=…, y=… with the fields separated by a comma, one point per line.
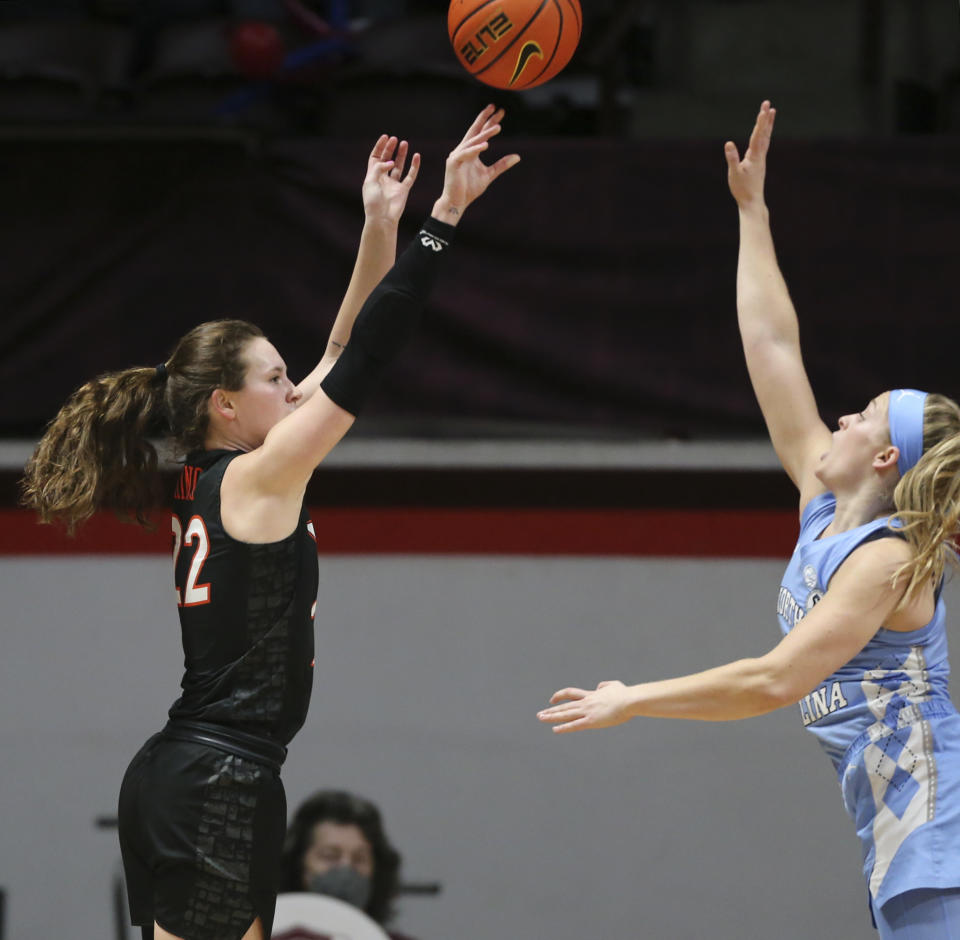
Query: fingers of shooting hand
x=468, y=145
x=732, y=154
x=567, y=695
x=504, y=164
x=485, y=133
x=474, y=144
x=480, y=120
x=495, y=118
x=468, y=152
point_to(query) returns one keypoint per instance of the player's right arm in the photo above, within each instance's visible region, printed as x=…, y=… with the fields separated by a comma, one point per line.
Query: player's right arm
x=295, y=446
x=273, y=477
x=864, y=595
x=768, y=322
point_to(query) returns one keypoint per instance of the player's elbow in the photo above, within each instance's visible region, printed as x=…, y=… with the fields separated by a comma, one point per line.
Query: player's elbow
x=765, y=343
x=782, y=685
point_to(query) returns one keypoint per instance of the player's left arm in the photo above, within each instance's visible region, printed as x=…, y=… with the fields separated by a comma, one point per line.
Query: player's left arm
x=861, y=599
x=385, y=190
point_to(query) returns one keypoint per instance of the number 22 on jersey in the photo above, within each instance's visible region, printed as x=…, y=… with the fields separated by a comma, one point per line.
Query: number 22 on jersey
x=193, y=594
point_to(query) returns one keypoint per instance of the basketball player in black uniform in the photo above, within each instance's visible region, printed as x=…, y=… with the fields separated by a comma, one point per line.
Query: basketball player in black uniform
x=202, y=808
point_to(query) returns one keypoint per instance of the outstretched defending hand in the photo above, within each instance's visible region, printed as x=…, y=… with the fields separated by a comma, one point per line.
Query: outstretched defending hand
x=577, y=709
x=467, y=176
x=745, y=177
x=385, y=189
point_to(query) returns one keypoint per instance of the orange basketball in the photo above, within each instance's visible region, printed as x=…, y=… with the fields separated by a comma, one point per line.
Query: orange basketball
x=514, y=44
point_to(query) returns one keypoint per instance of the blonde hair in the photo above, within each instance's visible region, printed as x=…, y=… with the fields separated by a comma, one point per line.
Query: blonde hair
x=96, y=453
x=927, y=498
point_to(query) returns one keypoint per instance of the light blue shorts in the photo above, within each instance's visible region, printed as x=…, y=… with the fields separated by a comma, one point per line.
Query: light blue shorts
x=921, y=914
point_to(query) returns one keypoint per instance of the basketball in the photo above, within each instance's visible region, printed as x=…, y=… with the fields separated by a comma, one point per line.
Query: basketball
x=514, y=44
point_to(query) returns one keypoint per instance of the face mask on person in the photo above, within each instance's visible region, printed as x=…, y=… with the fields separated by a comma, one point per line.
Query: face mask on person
x=342, y=882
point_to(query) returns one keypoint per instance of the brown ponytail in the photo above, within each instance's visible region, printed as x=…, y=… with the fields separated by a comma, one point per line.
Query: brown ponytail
x=927, y=498
x=96, y=453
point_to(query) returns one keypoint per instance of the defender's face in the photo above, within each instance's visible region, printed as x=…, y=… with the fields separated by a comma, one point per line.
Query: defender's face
x=859, y=438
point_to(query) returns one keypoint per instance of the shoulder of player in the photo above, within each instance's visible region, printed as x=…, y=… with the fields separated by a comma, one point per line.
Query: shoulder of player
x=886, y=545
x=872, y=564
x=250, y=509
x=872, y=572
x=252, y=476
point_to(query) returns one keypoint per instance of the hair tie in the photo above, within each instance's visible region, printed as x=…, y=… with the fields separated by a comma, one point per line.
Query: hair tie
x=906, y=425
x=161, y=372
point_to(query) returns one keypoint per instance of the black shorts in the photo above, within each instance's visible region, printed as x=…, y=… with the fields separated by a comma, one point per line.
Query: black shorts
x=201, y=834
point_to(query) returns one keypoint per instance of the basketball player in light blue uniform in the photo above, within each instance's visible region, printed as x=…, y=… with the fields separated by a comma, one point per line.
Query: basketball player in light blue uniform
x=885, y=718
x=864, y=648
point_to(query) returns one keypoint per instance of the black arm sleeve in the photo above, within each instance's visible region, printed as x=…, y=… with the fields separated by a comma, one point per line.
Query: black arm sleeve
x=388, y=318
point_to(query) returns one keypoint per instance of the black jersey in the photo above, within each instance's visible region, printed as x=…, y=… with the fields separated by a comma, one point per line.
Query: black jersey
x=246, y=613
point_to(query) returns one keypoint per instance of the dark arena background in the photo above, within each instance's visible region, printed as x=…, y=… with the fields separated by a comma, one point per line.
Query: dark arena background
x=565, y=476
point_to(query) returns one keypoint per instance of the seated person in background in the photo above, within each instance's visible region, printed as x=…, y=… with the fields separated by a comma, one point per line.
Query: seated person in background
x=336, y=845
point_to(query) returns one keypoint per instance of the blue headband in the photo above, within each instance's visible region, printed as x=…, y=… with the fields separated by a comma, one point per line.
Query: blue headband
x=906, y=425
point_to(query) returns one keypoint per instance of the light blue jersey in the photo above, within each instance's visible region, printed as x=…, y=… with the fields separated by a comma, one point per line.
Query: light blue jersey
x=886, y=721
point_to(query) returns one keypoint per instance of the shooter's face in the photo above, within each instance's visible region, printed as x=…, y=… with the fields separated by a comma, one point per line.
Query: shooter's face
x=268, y=395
